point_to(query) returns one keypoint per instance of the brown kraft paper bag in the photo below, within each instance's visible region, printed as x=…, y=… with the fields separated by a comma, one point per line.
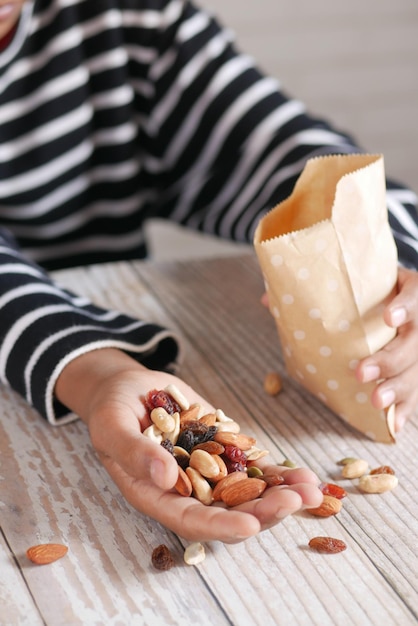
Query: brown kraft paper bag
x=329, y=263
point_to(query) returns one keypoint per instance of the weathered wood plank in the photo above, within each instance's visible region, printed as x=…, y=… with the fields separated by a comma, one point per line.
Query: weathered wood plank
x=54, y=488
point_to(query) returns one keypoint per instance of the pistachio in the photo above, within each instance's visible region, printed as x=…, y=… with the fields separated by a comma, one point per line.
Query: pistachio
x=355, y=468
x=377, y=483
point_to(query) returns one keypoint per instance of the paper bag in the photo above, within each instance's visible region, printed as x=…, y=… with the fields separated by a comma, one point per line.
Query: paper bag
x=329, y=263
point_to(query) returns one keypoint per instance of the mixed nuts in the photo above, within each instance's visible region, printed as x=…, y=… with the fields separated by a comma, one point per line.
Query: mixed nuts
x=211, y=451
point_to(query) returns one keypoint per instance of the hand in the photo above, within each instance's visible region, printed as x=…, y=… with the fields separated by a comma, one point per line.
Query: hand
x=396, y=364
x=109, y=385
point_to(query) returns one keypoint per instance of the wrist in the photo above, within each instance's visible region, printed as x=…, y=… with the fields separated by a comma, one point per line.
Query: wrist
x=81, y=380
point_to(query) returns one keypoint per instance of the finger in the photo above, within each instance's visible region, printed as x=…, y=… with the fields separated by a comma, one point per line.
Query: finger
x=403, y=307
x=399, y=389
x=185, y=516
x=291, y=476
x=398, y=356
x=279, y=502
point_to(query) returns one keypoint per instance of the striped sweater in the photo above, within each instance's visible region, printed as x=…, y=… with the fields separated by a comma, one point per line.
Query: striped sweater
x=113, y=112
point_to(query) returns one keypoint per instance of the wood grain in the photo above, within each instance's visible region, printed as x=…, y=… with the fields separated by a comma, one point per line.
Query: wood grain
x=53, y=487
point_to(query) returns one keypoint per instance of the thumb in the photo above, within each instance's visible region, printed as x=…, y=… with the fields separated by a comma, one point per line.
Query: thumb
x=137, y=455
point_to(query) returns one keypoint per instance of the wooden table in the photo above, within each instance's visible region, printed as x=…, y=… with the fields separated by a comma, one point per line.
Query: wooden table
x=54, y=489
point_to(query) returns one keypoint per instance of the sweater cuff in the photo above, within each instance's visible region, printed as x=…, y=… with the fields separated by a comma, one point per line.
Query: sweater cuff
x=162, y=352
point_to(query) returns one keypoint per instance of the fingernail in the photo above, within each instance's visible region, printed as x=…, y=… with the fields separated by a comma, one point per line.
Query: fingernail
x=387, y=397
x=371, y=372
x=398, y=316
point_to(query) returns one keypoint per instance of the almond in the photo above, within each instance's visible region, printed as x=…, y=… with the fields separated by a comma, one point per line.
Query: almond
x=223, y=470
x=213, y=447
x=241, y=441
x=183, y=484
x=45, y=553
x=243, y=491
x=209, y=419
x=330, y=506
x=190, y=414
x=225, y=482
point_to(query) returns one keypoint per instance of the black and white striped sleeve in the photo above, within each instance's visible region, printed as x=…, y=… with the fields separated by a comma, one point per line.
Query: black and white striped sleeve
x=43, y=327
x=227, y=143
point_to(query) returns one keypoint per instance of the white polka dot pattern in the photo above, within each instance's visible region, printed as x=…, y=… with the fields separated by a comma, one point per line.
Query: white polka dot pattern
x=327, y=298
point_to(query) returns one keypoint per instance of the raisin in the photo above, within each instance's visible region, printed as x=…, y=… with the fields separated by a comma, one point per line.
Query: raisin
x=162, y=558
x=327, y=545
x=383, y=469
x=193, y=433
x=186, y=440
x=168, y=445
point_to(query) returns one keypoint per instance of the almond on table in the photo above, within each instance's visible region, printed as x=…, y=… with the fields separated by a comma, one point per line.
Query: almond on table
x=46, y=553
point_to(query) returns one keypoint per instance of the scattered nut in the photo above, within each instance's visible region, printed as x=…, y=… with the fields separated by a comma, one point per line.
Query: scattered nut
x=377, y=483
x=355, y=468
x=272, y=384
x=346, y=459
x=327, y=545
x=46, y=553
x=194, y=554
x=162, y=558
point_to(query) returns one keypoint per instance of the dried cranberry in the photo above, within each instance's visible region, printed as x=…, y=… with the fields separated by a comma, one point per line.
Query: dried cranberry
x=235, y=459
x=234, y=466
x=160, y=398
x=235, y=454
